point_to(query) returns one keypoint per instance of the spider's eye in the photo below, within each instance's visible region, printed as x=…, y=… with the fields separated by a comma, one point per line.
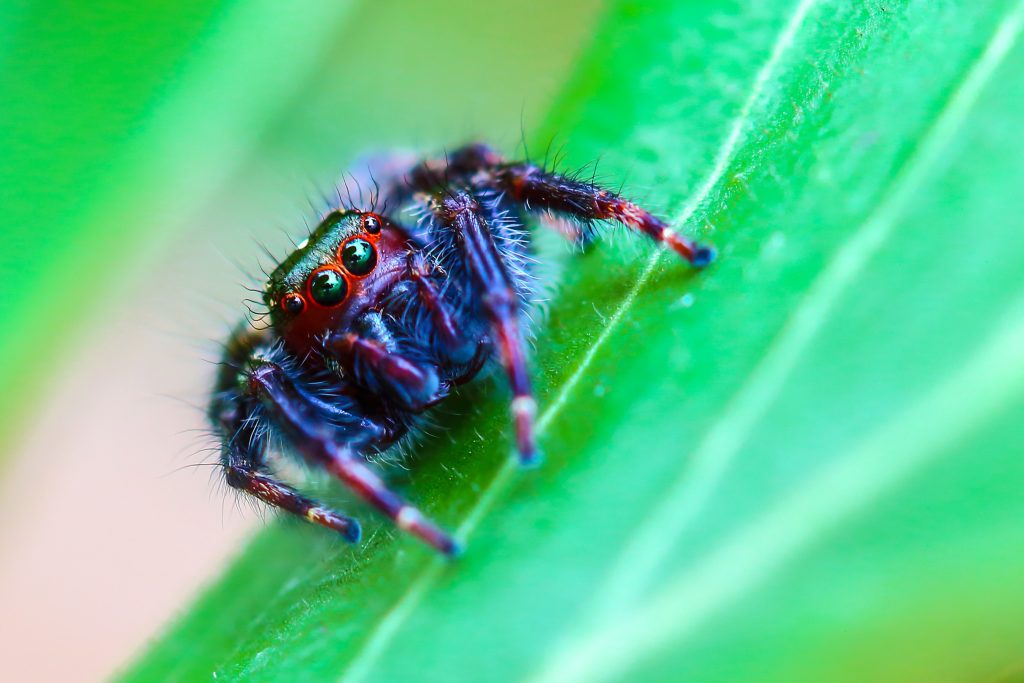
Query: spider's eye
x=293, y=303
x=328, y=287
x=358, y=256
x=371, y=224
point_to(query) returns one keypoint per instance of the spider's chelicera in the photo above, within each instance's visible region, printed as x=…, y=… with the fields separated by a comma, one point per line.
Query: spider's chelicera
x=373, y=321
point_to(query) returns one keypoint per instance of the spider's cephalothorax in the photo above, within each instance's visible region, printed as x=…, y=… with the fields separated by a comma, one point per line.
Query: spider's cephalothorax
x=372, y=323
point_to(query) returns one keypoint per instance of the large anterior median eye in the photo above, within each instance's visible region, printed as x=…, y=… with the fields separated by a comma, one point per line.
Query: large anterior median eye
x=358, y=256
x=327, y=287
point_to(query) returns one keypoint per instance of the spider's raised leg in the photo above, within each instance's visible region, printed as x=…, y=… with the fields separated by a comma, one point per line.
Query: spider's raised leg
x=536, y=188
x=461, y=213
x=293, y=413
x=456, y=167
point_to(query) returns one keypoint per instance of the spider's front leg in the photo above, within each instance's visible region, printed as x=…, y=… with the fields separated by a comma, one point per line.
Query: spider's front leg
x=460, y=212
x=245, y=442
x=299, y=419
x=244, y=470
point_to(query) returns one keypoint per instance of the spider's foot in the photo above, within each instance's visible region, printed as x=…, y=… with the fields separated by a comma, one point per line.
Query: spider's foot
x=346, y=526
x=414, y=522
x=702, y=256
x=529, y=460
x=524, y=412
x=698, y=255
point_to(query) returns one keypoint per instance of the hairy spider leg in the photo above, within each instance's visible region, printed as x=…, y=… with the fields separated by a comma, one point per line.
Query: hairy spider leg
x=289, y=411
x=460, y=211
x=536, y=189
x=457, y=347
x=355, y=473
x=460, y=166
x=242, y=462
x=456, y=166
x=245, y=444
x=376, y=358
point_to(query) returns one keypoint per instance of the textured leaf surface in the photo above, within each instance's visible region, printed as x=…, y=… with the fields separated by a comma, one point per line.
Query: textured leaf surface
x=803, y=463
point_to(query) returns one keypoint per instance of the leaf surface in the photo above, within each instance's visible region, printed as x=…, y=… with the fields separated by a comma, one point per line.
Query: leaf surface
x=803, y=463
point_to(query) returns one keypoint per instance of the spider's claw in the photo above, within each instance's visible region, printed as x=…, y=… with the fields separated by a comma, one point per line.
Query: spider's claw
x=354, y=533
x=528, y=455
x=416, y=523
x=698, y=255
x=530, y=460
x=702, y=256
x=347, y=527
x=453, y=550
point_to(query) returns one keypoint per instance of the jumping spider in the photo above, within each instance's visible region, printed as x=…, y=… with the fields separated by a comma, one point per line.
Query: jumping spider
x=372, y=322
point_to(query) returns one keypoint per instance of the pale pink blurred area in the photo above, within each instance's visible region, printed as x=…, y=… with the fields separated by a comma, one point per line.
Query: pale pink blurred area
x=103, y=549
x=111, y=521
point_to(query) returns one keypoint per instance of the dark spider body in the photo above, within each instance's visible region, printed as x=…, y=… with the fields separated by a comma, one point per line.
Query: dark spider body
x=373, y=322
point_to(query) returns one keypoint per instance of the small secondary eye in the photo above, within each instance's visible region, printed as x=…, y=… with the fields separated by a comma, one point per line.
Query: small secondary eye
x=371, y=224
x=328, y=287
x=293, y=303
x=358, y=256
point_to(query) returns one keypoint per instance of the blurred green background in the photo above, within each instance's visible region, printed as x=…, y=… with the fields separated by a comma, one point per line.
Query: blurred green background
x=801, y=464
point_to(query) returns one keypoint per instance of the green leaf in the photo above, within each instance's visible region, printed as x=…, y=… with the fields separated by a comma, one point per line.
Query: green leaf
x=801, y=464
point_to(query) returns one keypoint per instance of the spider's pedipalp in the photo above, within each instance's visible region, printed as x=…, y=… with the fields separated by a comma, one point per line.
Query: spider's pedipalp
x=459, y=347
x=386, y=364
